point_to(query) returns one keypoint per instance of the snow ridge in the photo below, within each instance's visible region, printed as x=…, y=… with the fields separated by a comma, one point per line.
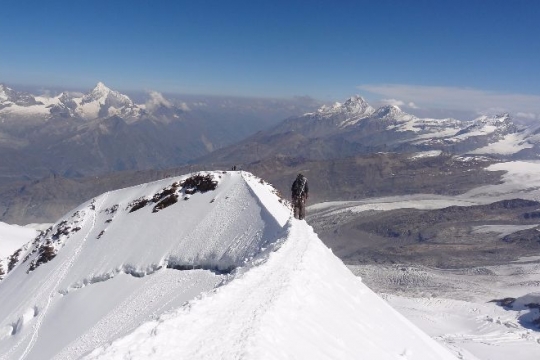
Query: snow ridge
x=282, y=275
x=245, y=319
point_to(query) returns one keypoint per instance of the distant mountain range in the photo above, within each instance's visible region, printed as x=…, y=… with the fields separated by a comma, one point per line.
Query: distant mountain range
x=99, y=103
x=354, y=127
x=74, y=134
x=53, y=148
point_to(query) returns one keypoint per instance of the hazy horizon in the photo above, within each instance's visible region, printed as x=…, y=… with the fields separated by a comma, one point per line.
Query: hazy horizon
x=463, y=56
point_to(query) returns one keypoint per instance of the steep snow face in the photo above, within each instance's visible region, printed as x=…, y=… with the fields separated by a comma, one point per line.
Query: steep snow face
x=396, y=118
x=390, y=111
x=14, y=102
x=3, y=92
x=128, y=255
x=7, y=94
x=301, y=303
x=104, y=102
x=423, y=127
x=166, y=270
x=348, y=113
x=17, y=98
x=353, y=105
x=487, y=125
x=357, y=105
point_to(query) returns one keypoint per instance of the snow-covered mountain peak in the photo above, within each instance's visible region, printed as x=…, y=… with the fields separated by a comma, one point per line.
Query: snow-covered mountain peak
x=358, y=105
x=356, y=99
x=15, y=99
x=3, y=96
x=353, y=106
x=100, y=90
x=389, y=111
x=103, y=102
x=102, y=93
x=4, y=92
x=65, y=96
x=503, y=117
x=493, y=119
x=163, y=269
x=341, y=115
x=7, y=94
x=163, y=199
x=501, y=124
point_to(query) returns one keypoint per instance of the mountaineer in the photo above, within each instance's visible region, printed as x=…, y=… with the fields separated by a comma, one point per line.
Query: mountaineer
x=299, y=191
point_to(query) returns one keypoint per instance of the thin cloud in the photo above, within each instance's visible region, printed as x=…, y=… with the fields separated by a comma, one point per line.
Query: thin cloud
x=399, y=103
x=529, y=116
x=155, y=100
x=393, y=102
x=462, y=99
x=184, y=106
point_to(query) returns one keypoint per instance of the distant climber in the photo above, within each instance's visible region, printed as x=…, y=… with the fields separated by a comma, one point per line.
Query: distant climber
x=299, y=191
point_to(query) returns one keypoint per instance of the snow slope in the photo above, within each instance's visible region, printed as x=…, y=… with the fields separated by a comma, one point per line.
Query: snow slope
x=223, y=274
x=521, y=179
x=455, y=306
x=12, y=237
x=508, y=145
x=301, y=303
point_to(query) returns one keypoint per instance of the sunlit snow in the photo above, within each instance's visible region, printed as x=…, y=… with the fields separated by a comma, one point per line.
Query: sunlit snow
x=12, y=237
x=510, y=144
x=222, y=274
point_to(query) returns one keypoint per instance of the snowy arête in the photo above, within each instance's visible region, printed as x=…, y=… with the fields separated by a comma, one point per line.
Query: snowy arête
x=169, y=270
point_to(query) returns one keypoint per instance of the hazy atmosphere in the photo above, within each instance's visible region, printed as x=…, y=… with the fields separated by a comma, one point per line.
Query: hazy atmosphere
x=451, y=55
x=270, y=180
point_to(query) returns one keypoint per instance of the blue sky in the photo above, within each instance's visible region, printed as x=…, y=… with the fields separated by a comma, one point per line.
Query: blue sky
x=324, y=49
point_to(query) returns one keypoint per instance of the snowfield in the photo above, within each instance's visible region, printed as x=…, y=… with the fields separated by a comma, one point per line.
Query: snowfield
x=520, y=180
x=165, y=271
x=510, y=144
x=12, y=237
x=456, y=306
x=283, y=309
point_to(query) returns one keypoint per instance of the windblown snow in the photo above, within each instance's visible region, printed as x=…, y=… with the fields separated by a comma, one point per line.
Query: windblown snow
x=166, y=270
